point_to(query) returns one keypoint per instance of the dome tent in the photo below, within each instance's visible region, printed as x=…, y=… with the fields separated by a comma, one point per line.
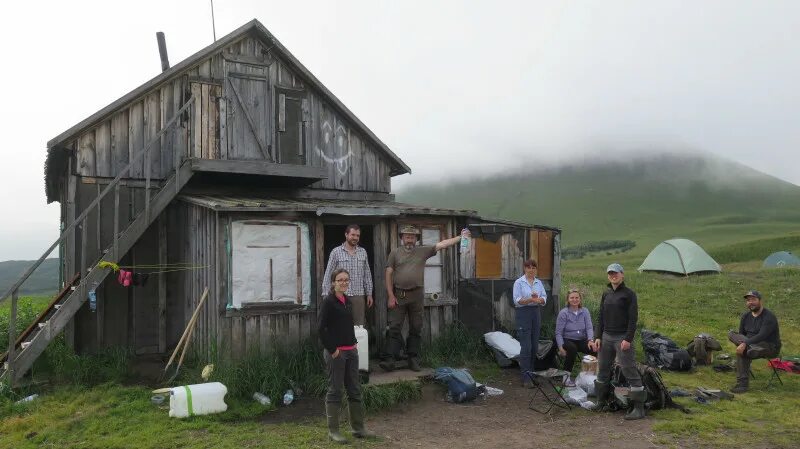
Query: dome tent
x=679, y=256
x=781, y=259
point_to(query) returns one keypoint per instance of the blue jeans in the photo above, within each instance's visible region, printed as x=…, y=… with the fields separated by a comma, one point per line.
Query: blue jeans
x=529, y=323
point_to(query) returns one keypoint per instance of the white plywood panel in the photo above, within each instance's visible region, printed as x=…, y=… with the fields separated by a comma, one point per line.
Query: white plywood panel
x=265, y=262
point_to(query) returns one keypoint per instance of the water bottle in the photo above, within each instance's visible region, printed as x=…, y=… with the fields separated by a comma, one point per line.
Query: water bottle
x=92, y=300
x=288, y=397
x=464, y=239
x=262, y=399
x=28, y=398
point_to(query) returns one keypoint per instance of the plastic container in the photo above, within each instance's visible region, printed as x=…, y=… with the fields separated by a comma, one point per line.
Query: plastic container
x=288, y=397
x=589, y=364
x=28, y=398
x=92, y=300
x=198, y=399
x=362, y=339
x=262, y=398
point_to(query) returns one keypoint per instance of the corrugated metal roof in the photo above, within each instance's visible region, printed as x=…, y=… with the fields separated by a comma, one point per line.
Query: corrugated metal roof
x=319, y=206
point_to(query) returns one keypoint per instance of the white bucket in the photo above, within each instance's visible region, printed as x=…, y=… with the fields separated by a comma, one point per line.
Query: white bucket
x=199, y=399
x=362, y=339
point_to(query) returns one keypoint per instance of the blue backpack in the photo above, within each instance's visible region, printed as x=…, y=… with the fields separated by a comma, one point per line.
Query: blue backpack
x=461, y=386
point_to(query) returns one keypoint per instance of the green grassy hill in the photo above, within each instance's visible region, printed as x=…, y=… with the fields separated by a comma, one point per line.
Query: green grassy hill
x=43, y=281
x=650, y=199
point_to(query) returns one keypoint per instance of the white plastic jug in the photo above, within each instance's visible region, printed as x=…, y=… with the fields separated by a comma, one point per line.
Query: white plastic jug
x=362, y=339
x=199, y=399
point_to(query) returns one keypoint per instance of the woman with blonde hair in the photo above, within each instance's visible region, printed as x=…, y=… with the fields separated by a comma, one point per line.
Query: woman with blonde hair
x=574, y=331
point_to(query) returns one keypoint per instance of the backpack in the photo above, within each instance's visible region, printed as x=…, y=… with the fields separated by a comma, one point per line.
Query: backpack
x=658, y=396
x=461, y=386
x=662, y=352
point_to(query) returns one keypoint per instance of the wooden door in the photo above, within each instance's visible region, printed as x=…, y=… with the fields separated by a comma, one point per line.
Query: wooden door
x=247, y=117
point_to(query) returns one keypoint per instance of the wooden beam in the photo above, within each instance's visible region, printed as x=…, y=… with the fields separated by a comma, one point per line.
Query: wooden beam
x=257, y=168
x=162, y=285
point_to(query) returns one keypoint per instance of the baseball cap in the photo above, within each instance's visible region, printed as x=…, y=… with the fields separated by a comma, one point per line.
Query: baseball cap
x=615, y=267
x=754, y=293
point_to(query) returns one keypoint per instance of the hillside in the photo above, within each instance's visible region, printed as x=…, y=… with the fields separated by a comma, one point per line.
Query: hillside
x=708, y=199
x=43, y=281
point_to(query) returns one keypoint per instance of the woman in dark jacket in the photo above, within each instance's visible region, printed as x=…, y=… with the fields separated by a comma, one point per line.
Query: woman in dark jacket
x=339, y=339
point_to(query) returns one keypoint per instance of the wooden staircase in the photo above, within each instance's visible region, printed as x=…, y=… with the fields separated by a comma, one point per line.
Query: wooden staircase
x=25, y=349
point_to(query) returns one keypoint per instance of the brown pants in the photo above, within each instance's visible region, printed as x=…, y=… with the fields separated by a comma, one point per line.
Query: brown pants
x=359, y=303
x=410, y=303
x=761, y=350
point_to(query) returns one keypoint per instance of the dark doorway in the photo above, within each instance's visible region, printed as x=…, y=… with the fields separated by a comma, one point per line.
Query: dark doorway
x=334, y=236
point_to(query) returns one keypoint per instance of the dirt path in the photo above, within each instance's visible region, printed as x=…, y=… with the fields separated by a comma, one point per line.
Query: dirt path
x=506, y=421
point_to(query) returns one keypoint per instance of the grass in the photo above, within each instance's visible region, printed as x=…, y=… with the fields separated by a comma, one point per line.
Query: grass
x=682, y=307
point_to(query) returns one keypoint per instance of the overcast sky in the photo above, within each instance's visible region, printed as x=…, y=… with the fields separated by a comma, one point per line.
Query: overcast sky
x=453, y=87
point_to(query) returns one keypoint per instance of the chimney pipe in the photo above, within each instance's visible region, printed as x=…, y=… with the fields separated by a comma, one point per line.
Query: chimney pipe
x=162, y=51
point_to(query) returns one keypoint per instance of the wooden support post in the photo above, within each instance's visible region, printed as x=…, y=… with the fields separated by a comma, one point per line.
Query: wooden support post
x=84, y=235
x=147, y=169
x=12, y=337
x=97, y=222
x=162, y=285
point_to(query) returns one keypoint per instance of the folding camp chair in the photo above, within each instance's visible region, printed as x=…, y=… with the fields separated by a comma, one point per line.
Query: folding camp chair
x=547, y=385
x=775, y=364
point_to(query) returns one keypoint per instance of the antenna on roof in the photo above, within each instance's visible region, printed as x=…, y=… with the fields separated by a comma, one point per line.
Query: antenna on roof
x=213, y=25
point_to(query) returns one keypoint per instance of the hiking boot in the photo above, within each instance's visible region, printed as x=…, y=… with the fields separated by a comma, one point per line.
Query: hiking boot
x=413, y=364
x=638, y=398
x=332, y=413
x=387, y=365
x=357, y=421
x=739, y=388
x=601, y=391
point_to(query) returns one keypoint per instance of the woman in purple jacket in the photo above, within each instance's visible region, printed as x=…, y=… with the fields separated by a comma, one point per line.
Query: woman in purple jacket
x=574, y=331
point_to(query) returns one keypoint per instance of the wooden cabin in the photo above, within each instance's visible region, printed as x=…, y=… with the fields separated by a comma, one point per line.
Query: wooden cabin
x=237, y=170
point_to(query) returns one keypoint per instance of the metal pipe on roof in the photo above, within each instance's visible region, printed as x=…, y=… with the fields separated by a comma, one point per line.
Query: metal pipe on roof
x=162, y=51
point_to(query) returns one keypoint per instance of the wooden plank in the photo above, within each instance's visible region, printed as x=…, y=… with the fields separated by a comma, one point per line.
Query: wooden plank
x=197, y=124
x=488, y=259
x=294, y=329
x=152, y=125
x=435, y=324
x=381, y=244
x=257, y=168
x=162, y=285
x=86, y=165
x=237, y=337
x=205, y=148
x=136, y=139
x=102, y=140
x=448, y=313
x=168, y=139
x=252, y=334
x=120, y=152
x=214, y=133
x=223, y=125
x=12, y=337
x=556, y=289
x=253, y=128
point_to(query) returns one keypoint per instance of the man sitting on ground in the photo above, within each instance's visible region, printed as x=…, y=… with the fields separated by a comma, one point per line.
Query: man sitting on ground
x=758, y=338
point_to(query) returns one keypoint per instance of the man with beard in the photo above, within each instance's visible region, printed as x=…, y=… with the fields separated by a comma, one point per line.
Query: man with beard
x=352, y=258
x=758, y=338
x=405, y=275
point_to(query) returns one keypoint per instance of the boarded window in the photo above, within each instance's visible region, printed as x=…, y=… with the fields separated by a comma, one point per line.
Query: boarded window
x=271, y=262
x=542, y=252
x=291, y=125
x=488, y=259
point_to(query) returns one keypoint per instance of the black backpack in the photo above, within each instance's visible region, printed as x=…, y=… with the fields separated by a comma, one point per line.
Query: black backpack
x=662, y=352
x=658, y=396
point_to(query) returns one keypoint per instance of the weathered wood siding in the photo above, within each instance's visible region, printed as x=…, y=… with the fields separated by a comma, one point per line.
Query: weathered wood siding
x=236, y=116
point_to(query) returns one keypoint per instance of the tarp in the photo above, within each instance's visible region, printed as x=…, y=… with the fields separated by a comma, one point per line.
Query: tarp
x=680, y=256
x=781, y=259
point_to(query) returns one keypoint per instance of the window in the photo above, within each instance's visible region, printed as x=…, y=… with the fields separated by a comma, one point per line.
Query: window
x=270, y=263
x=291, y=125
x=433, y=266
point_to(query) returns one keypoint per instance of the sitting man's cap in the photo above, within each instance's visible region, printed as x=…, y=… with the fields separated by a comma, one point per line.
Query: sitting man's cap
x=753, y=293
x=615, y=267
x=409, y=230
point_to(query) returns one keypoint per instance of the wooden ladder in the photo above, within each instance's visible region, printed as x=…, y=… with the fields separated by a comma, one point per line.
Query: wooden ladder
x=25, y=349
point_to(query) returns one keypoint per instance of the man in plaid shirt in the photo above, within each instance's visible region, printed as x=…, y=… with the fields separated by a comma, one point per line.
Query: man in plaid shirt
x=352, y=258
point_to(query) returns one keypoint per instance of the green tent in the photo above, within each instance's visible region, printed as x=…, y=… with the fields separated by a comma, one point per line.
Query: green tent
x=781, y=259
x=679, y=256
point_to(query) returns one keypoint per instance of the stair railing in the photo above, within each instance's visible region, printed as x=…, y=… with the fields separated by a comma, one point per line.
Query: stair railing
x=81, y=221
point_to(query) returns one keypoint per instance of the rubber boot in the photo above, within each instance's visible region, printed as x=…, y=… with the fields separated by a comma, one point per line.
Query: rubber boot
x=387, y=365
x=601, y=391
x=357, y=420
x=413, y=364
x=638, y=398
x=332, y=412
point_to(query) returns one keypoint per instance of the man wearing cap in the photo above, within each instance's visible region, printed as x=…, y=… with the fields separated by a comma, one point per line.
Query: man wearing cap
x=619, y=313
x=405, y=274
x=758, y=338
x=352, y=258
